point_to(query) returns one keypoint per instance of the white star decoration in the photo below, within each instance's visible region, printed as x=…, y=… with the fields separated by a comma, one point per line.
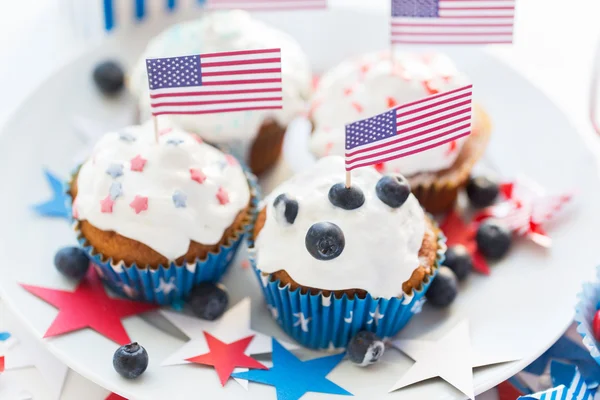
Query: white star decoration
x=232, y=326
x=302, y=321
x=452, y=358
x=375, y=316
x=165, y=287
x=348, y=320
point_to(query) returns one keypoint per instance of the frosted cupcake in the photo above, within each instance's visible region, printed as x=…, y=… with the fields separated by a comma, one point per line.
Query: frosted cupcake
x=334, y=261
x=255, y=136
x=369, y=85
x=158, y=218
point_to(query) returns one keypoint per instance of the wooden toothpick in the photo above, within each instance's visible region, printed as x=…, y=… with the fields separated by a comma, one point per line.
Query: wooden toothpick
x=155, y=122
x=348, y=180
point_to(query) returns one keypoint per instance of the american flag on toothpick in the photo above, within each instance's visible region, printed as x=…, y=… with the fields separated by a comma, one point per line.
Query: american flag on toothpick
x=409, y=129
x=452, y=21
x=216, y=83
x=266, y=5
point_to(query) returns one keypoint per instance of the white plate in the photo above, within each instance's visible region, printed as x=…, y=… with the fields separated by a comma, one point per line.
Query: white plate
x=526, y=303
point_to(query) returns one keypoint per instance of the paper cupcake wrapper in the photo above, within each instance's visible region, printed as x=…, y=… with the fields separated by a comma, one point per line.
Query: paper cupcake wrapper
x=325, y=322
x=589, y=302
x=171, y=283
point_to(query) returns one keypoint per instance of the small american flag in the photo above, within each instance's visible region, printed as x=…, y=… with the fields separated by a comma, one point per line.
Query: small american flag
x=216, y=83
x=267, y=4
x=452, y=21
x=409, y=129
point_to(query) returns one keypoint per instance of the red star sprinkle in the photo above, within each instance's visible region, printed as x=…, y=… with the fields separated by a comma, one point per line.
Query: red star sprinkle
x=1, y=364
x=452, y=146
x=364, y=68
x=197, y=175
x=347, y=91
x=114, y=396
x=357, y=107
x=457, y=232
x=222, y=196
x=106, y=205
x=391, y=102
x=89, y=307
x=139, y=204
x=138, y=163
x=226, y=356
x=379, y=167
x=231, y=160
x=429, y=87
x=164, y=131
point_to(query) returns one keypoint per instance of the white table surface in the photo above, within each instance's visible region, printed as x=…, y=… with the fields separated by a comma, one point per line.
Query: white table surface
x=554, y=48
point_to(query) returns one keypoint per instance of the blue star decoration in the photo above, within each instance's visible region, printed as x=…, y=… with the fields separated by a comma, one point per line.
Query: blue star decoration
x=115, y=170
x=286, y=370
x=175, y=142
x=4, y=336
x=179, y=199
x=60, y=203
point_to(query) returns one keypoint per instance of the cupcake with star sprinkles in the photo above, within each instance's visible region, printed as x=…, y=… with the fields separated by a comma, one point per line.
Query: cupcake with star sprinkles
x=373, y=83
x=157, y=218
x=254, y=136
x=334, y=261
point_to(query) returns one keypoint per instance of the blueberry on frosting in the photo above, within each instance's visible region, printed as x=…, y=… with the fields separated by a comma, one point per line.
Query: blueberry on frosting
x=325, y=241
x=286, y=209
x=347, y=198
x=393, y=190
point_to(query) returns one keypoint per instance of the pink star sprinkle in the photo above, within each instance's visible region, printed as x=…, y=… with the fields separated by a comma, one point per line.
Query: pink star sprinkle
x=231, y=160
x=197, y=175
x=198, y=139
x=364, y=68
x=139, y=204
x=222, y=196
x=106, y=205
x=357, y=107
x=165, y=131
x=138, y=163
x=347, y=91
x=74, y=210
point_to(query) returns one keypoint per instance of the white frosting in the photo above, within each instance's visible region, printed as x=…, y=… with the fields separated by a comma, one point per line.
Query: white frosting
x=179, y=209
x=363, y=87
x=226, y=31
x=382, y=243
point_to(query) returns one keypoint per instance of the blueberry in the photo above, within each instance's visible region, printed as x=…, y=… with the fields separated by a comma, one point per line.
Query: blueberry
x=443, y=289
x=347, y=198
x=286, y=209
x=365, y=348
x=72, y=262
x=208, y=300
x=131, y=360
x=493, y=240
x=459, y=261
x=325, y=241
x=109, y=77
x=482, y=191
x=393, y=190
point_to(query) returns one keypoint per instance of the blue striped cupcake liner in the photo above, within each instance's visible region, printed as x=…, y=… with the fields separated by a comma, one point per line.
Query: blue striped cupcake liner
x=587, y=305
x=169, y=284
x=326, y=322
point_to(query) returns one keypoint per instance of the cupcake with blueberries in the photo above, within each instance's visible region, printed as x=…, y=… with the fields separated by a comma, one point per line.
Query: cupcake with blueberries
x=333, y=261
x=157, y=218
x=254, y=136
x=373, y=83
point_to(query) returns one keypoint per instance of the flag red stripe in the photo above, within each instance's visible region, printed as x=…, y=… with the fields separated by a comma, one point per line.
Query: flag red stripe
x=432, y=121
x=242, y=82
x=405, y=138
x=239, y=53
x=204, y=103
x=246, y=72
x=217, y=111
x=439, y=103
x=445, y=8
x=477, y=16
x=409, y=153
x=405, y=41
x=240, y=62
x=457, y=33
x=435, y=96
x=214, y=93
x=442, y=25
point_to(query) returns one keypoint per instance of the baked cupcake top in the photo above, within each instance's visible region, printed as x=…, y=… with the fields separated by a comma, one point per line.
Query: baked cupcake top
x=163, y=194
x=227, y=31
x=373, y=83
x=333, y=239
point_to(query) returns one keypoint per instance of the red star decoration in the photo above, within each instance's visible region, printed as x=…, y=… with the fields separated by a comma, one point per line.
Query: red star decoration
x=139, y=204
x=391, y=102
x=457, y=232
x=138, y=163
x=106, y=205
x=506, y=391
x=114, y=396
x=197, y=175
x=222, y=196
x=453, y=146
x=380, y=167
x=1, y=364
x=226, y=356
x=364, y=68
x=357, y=107
x=429, y=87
x=89, y=307
x=231, y=160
